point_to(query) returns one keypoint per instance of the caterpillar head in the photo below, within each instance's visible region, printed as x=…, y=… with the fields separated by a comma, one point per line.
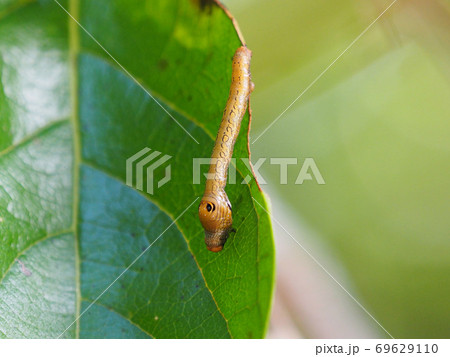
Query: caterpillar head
x=216, y=218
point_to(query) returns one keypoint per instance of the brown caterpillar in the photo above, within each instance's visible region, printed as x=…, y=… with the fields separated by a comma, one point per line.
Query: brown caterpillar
x=215, y=208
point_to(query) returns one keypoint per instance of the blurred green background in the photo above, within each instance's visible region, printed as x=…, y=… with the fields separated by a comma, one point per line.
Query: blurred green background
x=377, y=125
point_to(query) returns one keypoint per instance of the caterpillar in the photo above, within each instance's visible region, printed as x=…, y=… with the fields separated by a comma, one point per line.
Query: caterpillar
x=215, y=208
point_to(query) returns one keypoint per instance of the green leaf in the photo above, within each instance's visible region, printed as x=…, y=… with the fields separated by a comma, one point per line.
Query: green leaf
x=71, y=116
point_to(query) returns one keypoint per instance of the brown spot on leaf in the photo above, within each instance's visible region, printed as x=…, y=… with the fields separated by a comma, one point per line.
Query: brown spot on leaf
x=204, y=5
x=163, y=64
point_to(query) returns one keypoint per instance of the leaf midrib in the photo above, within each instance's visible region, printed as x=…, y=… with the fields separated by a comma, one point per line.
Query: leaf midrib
x=74, y=49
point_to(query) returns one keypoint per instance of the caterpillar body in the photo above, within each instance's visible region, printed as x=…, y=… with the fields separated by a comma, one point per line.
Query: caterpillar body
x=215, y=208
